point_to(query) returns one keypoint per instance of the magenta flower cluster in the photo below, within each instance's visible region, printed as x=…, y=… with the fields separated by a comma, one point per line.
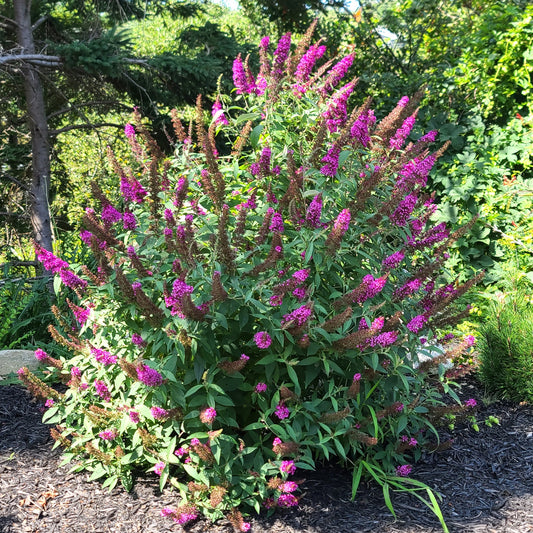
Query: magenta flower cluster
x=282, y=411
x=262, y=340
x=403, y=470
x=149, y=376
x=104, y=357
x=298, y=317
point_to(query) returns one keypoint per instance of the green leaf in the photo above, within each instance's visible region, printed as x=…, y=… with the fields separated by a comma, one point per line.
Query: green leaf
x=255, y=134
x=194, y=389
x=386, y=497
x=294, y=379
x=98, y=472
x=356, y=479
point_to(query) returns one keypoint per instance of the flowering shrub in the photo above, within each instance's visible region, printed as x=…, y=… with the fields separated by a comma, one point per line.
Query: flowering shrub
x=250, y=314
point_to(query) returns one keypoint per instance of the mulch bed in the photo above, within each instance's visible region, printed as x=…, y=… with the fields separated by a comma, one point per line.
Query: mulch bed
x=485, y=479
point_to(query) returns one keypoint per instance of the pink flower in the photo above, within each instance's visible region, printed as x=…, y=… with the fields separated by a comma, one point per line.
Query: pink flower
x=288, y=486
x=299, y=292
x=180, y=452
x=137, y=340
x=357, y=377
x=403, y=470
x=470, y=403
x=239, y=76
x=207, y=416
x=183, y=518
x=129, y=131
x=262, y=340
x=393, y=260
x=108, y=434
x=50, y=261
x=195, y=442
x=260, y=388
x=129, y=220
x=404, y=210
x=102, y=390
x=282, y=411
x=288, y=467
x=158, y=412
x=245, y=526
x=103, y=357
x=159, y=467
x=72, y=281
x=134, y=417
x=149, y=376
x=277, y=223
x=470, y=340
x=417, y=323
x=110, y=214
x=314, y=212
x=49, y=402
x=218, y=113
x=276, y=442
x=41, y=355
x=287, y=500
x=276, y=300
x=301, y=275
x=298, y=317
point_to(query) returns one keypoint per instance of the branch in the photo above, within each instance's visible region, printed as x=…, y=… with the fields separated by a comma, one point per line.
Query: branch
x=39, y=22
x=71, y=109
x=54, y=133
x=15, y=181
x=493, y=227
x=19, y=263
x=3, y=282
x=10, y=214
x=8, y=20
x=41, y=60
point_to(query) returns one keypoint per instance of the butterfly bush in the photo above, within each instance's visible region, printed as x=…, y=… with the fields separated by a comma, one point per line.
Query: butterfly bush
x=254, y=312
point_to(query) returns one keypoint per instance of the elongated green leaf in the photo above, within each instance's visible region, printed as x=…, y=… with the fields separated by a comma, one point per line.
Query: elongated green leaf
x=356, y=479
x=386, y=497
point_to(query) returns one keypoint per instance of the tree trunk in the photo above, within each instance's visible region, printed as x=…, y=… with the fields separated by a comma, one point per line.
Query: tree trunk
x=40, y=139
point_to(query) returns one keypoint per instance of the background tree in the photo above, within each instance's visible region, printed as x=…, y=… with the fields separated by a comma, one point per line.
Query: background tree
x=79, y=64
x=288, y=14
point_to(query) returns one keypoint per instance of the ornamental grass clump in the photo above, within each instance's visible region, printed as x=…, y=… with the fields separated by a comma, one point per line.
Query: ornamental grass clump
x=248, y=315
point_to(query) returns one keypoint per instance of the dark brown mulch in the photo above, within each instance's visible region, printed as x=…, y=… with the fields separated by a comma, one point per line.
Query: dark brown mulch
x=486, y=481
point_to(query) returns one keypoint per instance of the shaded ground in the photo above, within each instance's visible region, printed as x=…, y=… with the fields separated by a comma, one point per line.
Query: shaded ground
x=486, y=480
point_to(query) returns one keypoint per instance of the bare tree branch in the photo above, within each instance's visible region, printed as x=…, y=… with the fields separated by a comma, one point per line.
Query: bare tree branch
x=71, y=108
x=35, y=59
x=17, y=215
x=15, y=181
x=8, y=20
x=39, y=22
x=54, y=133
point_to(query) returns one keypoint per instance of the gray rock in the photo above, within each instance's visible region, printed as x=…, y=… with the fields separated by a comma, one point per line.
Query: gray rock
x=12, y=360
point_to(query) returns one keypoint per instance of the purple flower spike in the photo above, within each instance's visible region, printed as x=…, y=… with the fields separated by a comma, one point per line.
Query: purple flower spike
x=417, y=323
x=281, y=54
x=129, y=131
x=50, y=261
x=239, y=76
x=276, y=225
x=282, y=411
x=149, y=376
x=404, y=210
x=403, y=470
x=306, y=64
x=218, y=113
x=262, y=340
